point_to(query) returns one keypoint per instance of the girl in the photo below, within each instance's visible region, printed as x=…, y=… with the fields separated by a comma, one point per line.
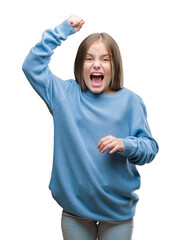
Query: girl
x=100, y=134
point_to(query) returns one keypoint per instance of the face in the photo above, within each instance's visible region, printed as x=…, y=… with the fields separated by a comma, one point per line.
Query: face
x=97, y=68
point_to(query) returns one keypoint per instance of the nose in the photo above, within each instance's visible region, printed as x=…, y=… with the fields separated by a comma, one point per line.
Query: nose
x=97, y=64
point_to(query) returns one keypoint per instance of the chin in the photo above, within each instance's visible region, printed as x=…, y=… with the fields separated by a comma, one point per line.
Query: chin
x=96, y=90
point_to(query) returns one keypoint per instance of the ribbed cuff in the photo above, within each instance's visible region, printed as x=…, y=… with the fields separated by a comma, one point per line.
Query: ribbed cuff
x=128, y=147
x=64, y=29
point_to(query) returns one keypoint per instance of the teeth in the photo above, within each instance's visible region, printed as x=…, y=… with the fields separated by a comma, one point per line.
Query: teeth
x=96, y=74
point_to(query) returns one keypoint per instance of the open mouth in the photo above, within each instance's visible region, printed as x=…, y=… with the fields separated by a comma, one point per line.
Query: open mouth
x=96, y=79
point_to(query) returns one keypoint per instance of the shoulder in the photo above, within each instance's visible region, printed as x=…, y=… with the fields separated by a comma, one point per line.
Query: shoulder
x=134, y=100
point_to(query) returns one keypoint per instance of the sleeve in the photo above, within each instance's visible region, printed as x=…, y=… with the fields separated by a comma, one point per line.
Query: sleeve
x=140, y=147
x=36, y=67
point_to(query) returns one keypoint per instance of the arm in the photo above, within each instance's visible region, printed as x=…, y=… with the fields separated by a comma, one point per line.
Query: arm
x=140, y=147
x=36, y=63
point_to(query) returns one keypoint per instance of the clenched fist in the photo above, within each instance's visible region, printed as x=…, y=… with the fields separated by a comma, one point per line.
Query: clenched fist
x=76, y=22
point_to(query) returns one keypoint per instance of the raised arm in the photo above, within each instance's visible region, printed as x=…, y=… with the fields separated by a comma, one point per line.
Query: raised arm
x=36, y=63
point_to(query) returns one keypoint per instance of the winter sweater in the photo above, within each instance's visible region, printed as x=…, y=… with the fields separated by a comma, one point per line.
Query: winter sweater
x=84, y=181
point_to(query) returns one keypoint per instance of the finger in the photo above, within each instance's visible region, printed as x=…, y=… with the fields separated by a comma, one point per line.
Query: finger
x=102, y=140
x=114, y=149
x=81, y=23
x=73, y=21
x=104, y=144
x=77, y=18
x=79, y=26
x=108, y=146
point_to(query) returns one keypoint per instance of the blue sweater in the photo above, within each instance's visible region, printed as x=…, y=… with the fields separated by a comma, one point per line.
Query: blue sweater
x=84, y=181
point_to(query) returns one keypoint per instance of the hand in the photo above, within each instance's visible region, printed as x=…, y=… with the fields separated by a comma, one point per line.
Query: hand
x=76, y=22
x=110, y=142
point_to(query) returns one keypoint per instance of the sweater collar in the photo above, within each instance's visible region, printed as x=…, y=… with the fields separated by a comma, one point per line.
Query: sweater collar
x=104, y=95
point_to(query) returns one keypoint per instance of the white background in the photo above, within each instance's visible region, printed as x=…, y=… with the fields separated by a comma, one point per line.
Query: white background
x=148, y=33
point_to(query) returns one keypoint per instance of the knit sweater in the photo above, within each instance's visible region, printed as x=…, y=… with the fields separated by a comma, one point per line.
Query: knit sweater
x=84, y=181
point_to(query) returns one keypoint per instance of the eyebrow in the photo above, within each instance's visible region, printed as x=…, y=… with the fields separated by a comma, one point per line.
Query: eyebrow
x=104, y=55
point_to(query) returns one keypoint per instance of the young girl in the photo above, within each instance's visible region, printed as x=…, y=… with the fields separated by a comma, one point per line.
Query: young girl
x=100, y=134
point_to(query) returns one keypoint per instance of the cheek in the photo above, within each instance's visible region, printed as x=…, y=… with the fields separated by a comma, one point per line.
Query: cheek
x=109, y=72
x=85, y=74
x=108, y=68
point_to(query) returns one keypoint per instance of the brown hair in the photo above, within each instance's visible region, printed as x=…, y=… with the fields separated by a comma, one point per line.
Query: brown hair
x=115, y=55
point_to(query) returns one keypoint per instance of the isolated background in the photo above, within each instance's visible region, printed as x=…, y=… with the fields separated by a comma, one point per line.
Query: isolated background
x=148, y=33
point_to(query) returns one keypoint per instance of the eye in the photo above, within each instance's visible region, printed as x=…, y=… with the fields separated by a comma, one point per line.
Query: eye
x=88, y=59
x=105, y=59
